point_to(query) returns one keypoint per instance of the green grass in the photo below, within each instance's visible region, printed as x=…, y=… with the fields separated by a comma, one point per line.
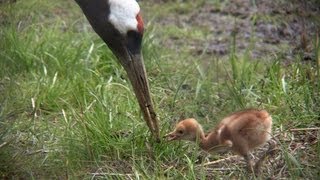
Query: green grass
x=67, y=109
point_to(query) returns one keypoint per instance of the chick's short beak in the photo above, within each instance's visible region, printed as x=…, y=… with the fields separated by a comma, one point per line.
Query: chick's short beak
x=171, y=136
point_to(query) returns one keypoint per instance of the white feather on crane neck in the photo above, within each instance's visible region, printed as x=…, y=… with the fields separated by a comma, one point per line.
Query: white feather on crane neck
x=123, y=15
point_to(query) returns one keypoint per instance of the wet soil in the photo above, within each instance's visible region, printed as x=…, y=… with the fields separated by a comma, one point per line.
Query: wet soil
x=266, y=28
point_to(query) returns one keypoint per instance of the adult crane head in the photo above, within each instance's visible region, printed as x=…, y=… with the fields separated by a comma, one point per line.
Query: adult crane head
x=120, y=26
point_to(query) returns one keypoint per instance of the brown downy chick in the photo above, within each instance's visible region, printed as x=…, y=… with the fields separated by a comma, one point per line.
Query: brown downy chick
x=239, y=132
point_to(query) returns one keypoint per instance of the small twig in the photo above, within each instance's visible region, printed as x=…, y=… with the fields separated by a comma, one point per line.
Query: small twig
x=305, y=129
x=3, y=144
x=218, y=161
x=170, y=167
x=307, y=164
x=38, y=151
x=223, y=169
x=111, y=174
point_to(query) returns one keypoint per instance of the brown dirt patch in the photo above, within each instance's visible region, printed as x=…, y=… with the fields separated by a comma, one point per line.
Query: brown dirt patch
x=267, y=28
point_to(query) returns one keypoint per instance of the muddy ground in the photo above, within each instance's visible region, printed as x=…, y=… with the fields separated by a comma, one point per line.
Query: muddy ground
x=267, y=28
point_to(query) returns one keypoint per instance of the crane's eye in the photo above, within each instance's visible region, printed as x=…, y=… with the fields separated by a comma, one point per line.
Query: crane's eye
x=134, y=40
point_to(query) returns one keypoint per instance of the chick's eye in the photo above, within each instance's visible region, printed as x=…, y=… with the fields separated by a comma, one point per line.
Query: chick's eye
x=180, y=131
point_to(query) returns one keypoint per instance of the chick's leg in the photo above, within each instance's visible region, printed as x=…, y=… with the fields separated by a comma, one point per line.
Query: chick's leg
x=249, y=162
x=272, y=145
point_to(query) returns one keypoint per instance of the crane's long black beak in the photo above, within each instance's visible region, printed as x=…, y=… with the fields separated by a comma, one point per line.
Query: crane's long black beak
x=135, y=69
